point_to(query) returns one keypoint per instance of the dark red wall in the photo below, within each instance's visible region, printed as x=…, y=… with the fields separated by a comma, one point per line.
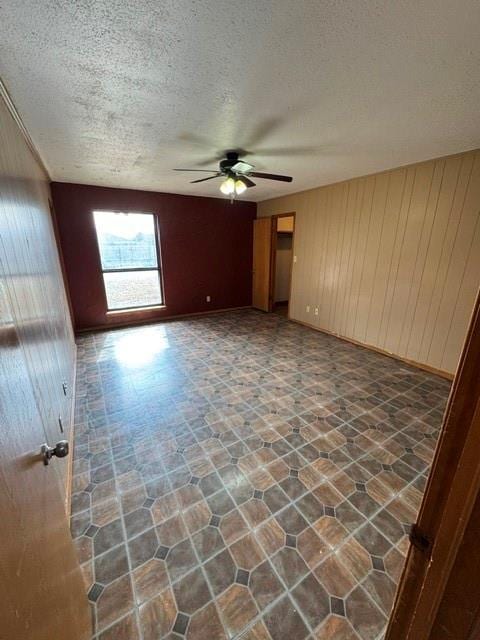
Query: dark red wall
x=206, y=246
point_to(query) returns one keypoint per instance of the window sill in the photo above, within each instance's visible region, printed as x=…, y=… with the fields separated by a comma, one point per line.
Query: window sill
x=118, y=312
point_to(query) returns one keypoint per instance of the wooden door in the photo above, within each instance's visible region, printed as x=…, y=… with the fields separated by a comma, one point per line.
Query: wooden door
x=439, y=594
x=41, y=587
x=262, y=257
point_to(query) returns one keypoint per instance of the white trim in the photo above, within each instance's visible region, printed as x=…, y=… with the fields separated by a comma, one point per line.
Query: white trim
x=19, y=122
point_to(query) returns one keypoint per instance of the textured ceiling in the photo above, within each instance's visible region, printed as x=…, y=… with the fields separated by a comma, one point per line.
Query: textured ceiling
x=119, y=93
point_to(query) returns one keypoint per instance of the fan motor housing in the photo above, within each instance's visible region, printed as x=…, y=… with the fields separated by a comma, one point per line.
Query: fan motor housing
x=229, y=161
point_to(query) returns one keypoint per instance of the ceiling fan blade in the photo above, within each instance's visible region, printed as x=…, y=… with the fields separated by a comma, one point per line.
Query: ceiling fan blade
x=263, y=130
x=247, y=181
x=201, y=170
x=287, y=151
x=210, y=160
x=271, y=176
x=194, y=138
x=203, y=179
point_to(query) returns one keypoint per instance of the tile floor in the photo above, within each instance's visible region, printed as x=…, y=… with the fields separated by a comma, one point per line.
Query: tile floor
x=241, y=476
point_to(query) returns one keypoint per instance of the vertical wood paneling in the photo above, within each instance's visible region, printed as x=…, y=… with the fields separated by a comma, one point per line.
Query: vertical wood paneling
x=340, y=315
x=401, y=216
x=395, y=189
x=321, y=242
x=427, y=215
x=439, y=315
x=311, y=253
x=429, y=279
x=462, y=310
x=361, y=292
x=349, y=304
x=297, y=293
x=342, y=247
x=393, y=259
x=464, y=267
x=370, y=263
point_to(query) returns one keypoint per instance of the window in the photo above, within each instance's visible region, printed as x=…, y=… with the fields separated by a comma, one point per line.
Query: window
x=128, y=252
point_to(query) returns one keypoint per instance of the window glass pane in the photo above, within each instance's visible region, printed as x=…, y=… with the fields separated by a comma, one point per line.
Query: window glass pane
x=126, y=240
x=127, y=289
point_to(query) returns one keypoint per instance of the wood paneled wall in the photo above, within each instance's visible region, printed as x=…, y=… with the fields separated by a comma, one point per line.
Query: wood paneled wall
x=391, y=260
x=31, y=274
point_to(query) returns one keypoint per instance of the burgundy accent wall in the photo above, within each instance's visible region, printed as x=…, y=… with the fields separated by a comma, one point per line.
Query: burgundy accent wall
x=206, y=246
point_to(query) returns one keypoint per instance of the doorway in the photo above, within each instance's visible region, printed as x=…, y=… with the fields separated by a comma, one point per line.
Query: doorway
x=283, y=261
x=273, y=240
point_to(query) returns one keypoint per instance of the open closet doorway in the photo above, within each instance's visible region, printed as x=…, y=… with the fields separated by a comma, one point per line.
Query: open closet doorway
x=282, y=262
x=272, y=262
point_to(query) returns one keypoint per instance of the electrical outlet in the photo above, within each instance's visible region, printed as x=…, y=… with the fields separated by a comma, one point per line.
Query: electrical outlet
x=316, y=311
x=294, y=259
x=208, y=298
x=308, y=308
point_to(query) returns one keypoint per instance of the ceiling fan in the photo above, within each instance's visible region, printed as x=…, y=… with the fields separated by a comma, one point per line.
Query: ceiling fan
x=237, y=174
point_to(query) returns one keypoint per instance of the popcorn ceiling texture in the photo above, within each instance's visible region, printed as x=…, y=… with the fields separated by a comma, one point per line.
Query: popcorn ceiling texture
x=118, y=94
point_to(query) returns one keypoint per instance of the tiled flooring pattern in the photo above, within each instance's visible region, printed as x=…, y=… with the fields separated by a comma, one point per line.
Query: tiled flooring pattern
x=241, y=476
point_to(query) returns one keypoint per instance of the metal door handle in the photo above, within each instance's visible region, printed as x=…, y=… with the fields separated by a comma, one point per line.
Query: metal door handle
x=61, y=449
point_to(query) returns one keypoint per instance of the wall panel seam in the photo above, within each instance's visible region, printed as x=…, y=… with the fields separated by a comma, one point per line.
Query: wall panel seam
x=450, y=257
x=426, y=258
x=440, y=258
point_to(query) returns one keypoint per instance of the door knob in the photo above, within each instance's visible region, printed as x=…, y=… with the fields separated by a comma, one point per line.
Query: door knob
x=61, y=449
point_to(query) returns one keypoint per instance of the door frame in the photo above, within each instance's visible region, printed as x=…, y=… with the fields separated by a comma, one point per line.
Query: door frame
x=262, y=263
x=273, y=259
x=452, y=490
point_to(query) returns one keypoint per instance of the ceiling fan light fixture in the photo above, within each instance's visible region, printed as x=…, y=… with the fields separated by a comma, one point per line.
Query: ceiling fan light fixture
x=240, y=187
x=228, y=186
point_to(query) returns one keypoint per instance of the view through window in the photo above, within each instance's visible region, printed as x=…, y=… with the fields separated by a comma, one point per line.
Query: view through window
x=130, y=262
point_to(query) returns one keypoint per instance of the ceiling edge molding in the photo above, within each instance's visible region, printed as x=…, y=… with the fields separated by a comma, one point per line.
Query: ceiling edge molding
x=19, y=122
